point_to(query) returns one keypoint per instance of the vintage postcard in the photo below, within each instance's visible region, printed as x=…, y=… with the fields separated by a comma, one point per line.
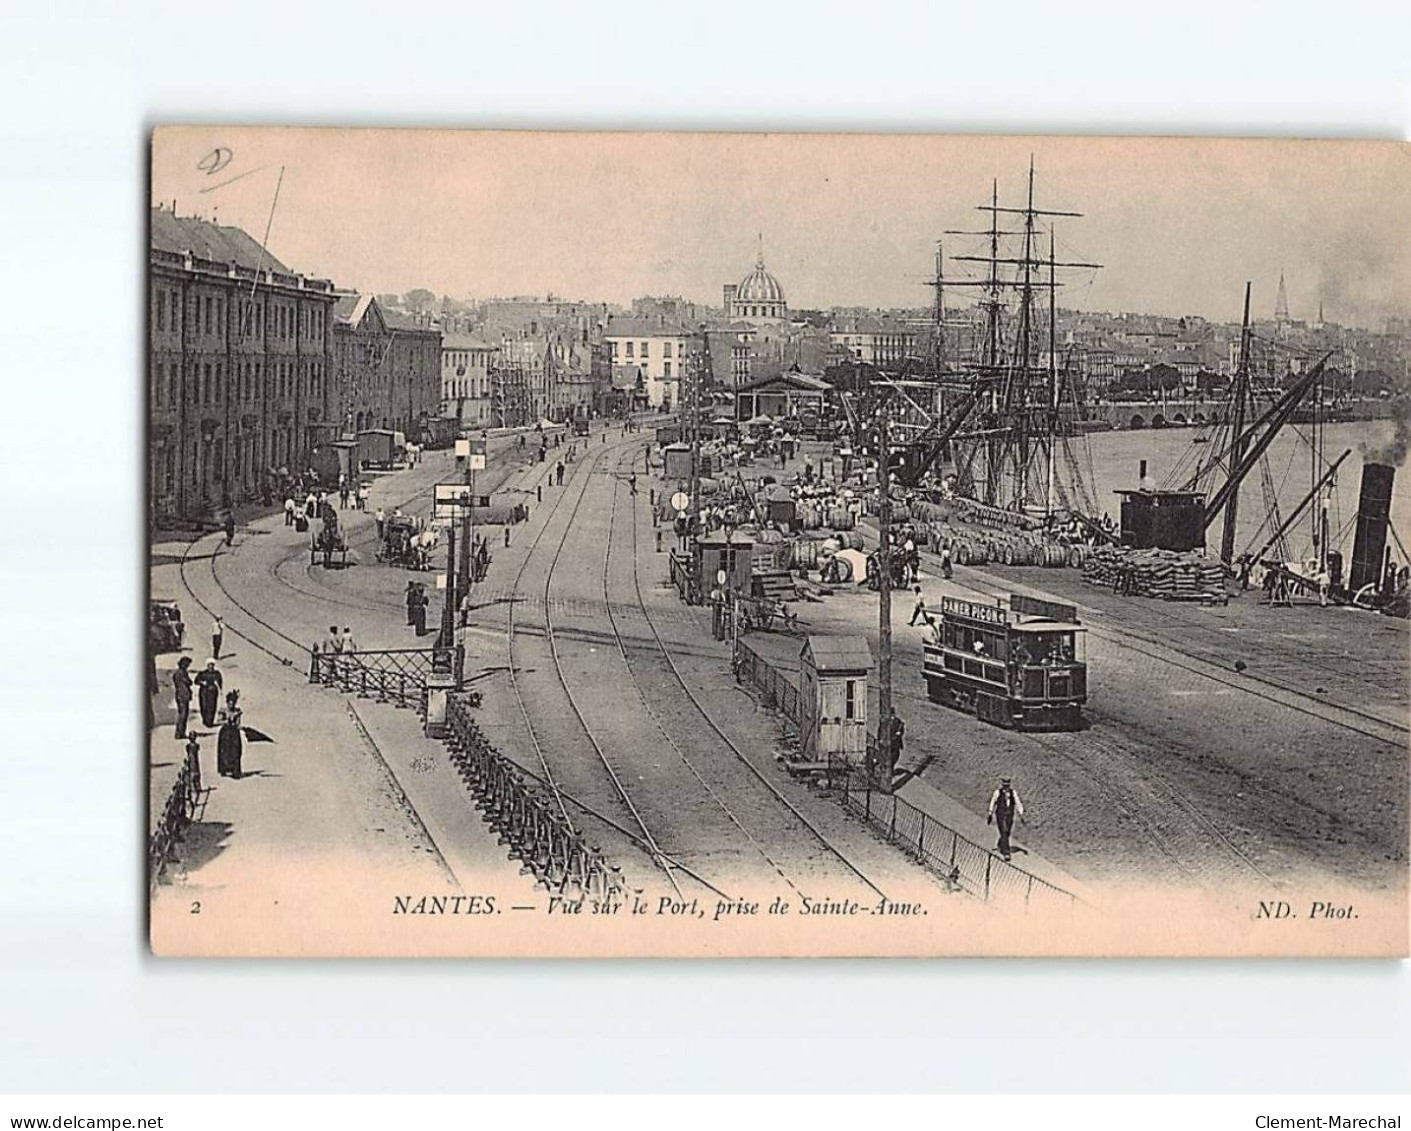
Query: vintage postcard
x=702, y=545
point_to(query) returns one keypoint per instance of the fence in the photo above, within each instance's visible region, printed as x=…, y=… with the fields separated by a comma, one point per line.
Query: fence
x=939, y=847
x=177, y=814
x=537, y=834
x=394, y=675
x=773, y=686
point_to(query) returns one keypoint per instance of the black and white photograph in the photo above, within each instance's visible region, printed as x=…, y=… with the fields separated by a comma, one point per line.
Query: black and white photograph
x=718, y=544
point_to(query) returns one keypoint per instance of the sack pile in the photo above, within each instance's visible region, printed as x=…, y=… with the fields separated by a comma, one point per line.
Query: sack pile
x=1167, y=574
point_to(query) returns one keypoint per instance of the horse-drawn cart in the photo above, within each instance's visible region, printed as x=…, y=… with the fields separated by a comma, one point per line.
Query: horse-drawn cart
x=329, y=541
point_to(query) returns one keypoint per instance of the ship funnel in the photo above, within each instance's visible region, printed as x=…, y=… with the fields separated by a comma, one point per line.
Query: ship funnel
x=1373, y=516
x=1144, y=481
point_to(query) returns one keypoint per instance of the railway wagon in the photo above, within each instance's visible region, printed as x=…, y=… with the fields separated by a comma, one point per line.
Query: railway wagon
x=1018, y=666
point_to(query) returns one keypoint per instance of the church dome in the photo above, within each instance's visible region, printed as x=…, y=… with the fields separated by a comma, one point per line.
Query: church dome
x=760, y=286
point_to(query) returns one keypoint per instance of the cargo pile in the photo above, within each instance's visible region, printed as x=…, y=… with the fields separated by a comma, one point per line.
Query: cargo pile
x=940, y=524
x=1167, y=574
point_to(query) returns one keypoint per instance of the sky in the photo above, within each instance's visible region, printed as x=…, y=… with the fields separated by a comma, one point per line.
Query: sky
x=1179, y=225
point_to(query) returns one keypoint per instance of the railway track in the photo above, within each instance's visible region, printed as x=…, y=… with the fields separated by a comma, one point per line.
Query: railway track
x=1351, y=718
x=634, y=827
x=738, y=758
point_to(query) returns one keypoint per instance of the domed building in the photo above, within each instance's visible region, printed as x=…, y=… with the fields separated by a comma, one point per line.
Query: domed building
x=757, y=298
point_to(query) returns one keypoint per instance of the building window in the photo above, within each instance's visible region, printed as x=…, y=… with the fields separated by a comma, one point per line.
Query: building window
x=206, y=314
x=216, y=386
x=644, y=349
x=850, y=707
x=666, y=372
x=161, y=310
x=666, y=351
x=172, y=389
x=206, y=383
x=630, y=346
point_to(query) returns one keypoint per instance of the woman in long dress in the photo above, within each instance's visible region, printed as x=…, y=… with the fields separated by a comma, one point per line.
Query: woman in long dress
x=231, y=742
x=208, y=685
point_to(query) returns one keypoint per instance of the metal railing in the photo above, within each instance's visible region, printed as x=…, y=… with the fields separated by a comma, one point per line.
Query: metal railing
x=529, y=823
x=977, y=870
x=177, y=814
x=774, y=688
x=392, y=675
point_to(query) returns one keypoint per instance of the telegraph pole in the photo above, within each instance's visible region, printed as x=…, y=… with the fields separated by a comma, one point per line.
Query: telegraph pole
x=885, y=755
x=695, y=376
x=448, y=612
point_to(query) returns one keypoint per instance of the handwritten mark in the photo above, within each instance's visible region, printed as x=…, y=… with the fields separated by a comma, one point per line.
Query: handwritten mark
x=216, y=160
x=237, y=177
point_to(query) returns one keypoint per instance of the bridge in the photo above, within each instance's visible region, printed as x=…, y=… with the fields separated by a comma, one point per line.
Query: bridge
x=1189, y=412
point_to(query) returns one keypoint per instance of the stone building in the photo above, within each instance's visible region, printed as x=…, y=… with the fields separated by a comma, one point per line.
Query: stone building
x=658, y=349
x=758, y=298
x=386, y=367
x=239, y=373
x=466, y=366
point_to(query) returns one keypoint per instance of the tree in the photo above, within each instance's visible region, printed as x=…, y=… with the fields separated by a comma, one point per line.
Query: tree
x=419, y=300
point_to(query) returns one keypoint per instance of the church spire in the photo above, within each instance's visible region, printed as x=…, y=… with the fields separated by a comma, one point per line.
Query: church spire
x=1281, y=302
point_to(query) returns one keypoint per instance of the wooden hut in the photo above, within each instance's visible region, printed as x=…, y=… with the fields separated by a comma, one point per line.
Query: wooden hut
x=676, y=459
x=834, y=672
x=715, y=552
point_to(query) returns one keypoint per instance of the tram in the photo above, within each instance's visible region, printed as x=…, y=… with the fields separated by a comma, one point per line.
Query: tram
x=1018, y=666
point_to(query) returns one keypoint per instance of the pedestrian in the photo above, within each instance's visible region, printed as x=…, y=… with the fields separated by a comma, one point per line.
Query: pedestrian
x=1005, y=806
x=217, y=634
x=343, y=496
x=538, y=492
x=348, y=646
x=289, y=510
x=558, y=472
x=946, y=564
x=507, y=534
x=380, y=518
x=208, y=684
x=632, y=484
x=652, y=497
x=411, y=602
x=309, y=504
x=230, y=528
x=230, y=743
x=898, y=730
x=658, y=531
x=181, y=683
x=918, y=612
x=362, y=496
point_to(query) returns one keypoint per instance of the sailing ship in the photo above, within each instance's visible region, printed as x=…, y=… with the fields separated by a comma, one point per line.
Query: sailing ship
x=1008, y=417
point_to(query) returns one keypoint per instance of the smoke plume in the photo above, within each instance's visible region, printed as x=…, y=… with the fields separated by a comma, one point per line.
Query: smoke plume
x=1393, y=452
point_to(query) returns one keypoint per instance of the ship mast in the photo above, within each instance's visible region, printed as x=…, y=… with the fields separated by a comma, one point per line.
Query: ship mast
x=1015, y=414
x=1237, y=439
x=1052, y=373
x=1026, y=302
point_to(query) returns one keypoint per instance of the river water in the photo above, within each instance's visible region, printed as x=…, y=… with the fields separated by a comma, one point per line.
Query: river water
x=1115, y=457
